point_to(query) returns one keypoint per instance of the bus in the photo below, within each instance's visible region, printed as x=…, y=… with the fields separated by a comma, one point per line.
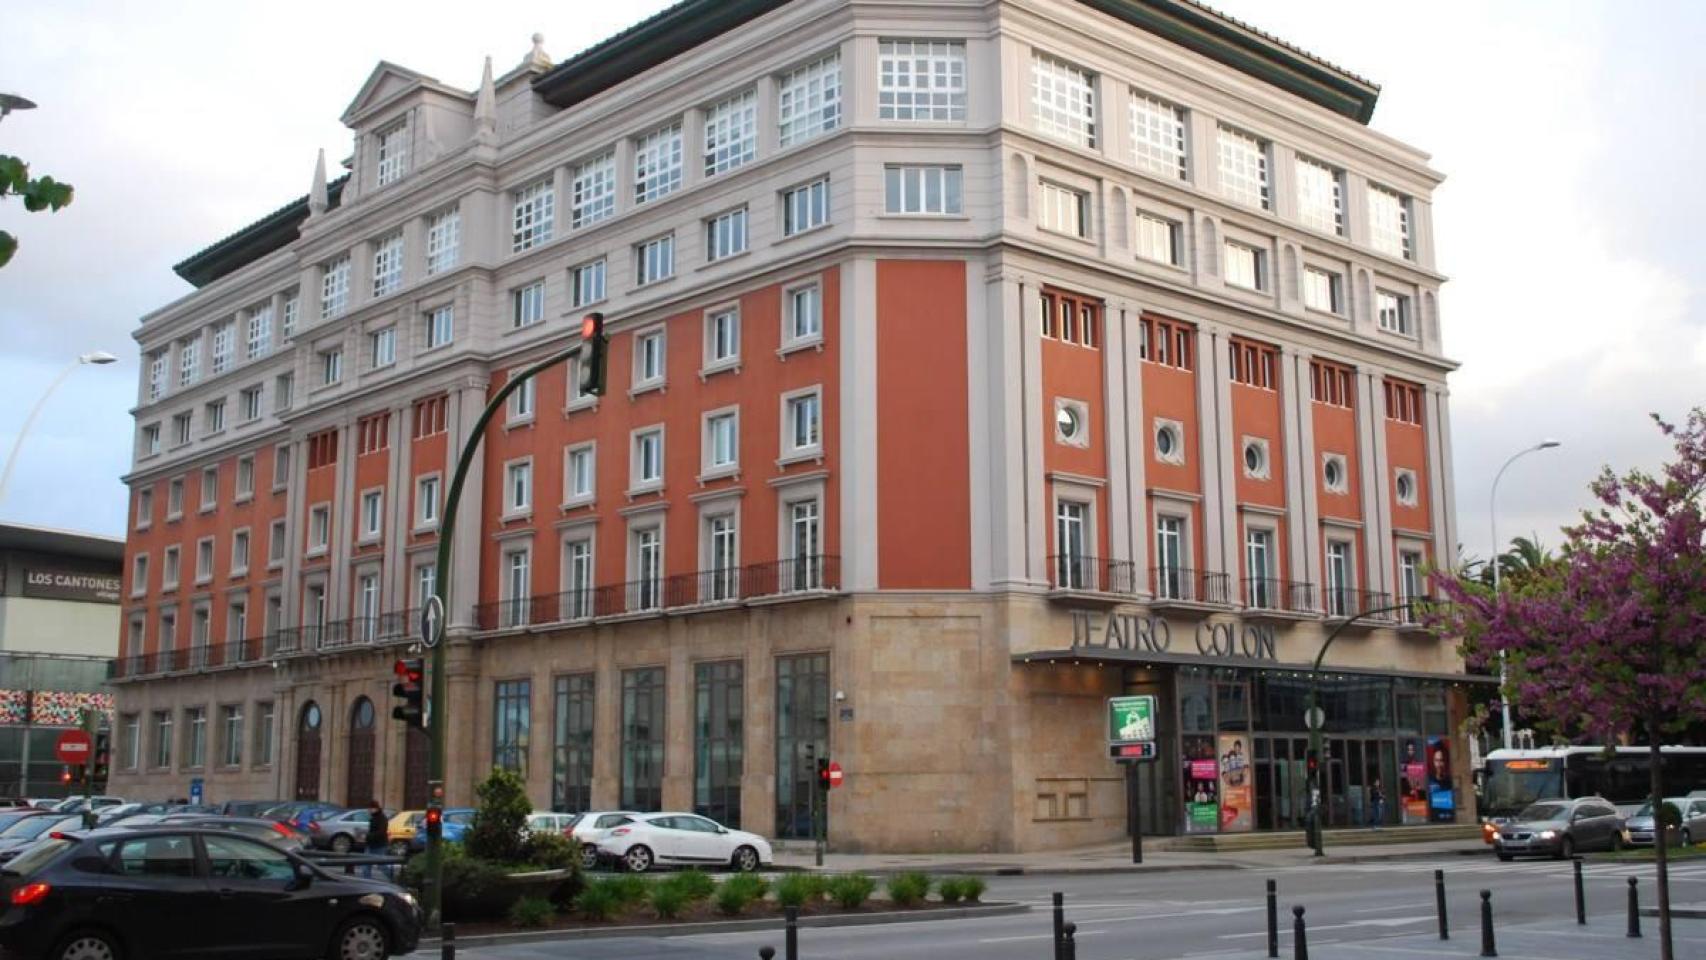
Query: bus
x=1513, y=779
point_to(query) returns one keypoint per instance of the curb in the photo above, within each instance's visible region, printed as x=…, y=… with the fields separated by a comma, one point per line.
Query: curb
x=1677, y=913
x=1021, y=871
x=733, y=926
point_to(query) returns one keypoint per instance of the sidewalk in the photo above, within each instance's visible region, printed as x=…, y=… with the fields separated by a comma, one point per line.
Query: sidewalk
x=1113, y=858
x=1549, y=940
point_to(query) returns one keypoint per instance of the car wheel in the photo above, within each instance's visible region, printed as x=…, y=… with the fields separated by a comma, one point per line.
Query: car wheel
x=745, y=860
x=87, y=945
x=589, y=857
x=638, y=859
x=363, y=938
x=341, y=843
x=1566, y=848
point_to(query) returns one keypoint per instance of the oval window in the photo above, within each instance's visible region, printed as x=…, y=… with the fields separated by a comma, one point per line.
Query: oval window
x=1406, y=487
x=1255, y=458
x=1066, y=421
x=311, y=716
x=363, y=716
x=1335, y=473
x=1166, y=442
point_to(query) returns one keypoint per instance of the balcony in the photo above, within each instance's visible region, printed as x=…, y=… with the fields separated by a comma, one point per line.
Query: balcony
x=682, y=593
x=1343, y=604
x=355, y=633
x=1189, y=591
x=1266, y=598
x=1091, y=579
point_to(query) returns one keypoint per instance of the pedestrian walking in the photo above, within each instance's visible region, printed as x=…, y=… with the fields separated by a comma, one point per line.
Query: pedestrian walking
x=1376, y=805
x=377, y=841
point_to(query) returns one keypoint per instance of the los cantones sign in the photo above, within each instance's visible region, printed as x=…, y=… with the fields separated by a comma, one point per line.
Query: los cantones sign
x=1150, y=634
x=71, y=585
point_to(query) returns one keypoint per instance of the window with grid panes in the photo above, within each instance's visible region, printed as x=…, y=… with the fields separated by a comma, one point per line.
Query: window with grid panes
x=1393, y=311
x=189, y=362
x=260, y=331
x=1243, y=168
x=1063, y=100
x=1388, y=221
x=443, y=241
x=527, y=305
x=588, y=283
x=382, y=345
x=1320, y=196
x=725, y=234
x=592, y=190
x=440, y=326
x=922, y=189
x=654, y=260
x=572, y=742
x=393, y=152
x=533, y=215
x=805, y=207
x=1157, y=239
x=388, y=265
x=1321, y=289
x=808, y=100
x=292, y=309
x=224, y=346
x=334, y=287
x=1071, y=318
x=1064, y=210
x=657, y=163
x=1157, y=136
x=921, y=80
x=1404, y=402
x=731, y=133
x=718, y=735
x=1243, y=265
x=157, y=363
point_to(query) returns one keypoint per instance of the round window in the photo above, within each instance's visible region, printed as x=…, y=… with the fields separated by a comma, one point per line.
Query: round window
x=311, y=717
x=1406, y=487
x=1067, y=422
x=1166, y=442
x=363, y=718
x=1334, y=472
x=1255, y=458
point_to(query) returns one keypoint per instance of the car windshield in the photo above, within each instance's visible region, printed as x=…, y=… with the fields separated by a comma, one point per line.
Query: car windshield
x=38, y=856
x=27, y=827
x=1543, y=811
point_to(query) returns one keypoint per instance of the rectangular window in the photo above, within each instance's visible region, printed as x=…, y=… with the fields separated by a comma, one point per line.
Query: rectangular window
x=157, y=364
x=517, y=586
x=578, y=474
x=718, y=735
x=1320, y=196
x=1389, y=222
x=1171, y=580
x=382, y=345
x=334, y=287
x=801, y=422
x=175, y=498
x=592, y=190
x=654, y=260
x=1244, y=265
x=648, y=458
x=372, y=514
x=245, y=477
x=260, y=331
x=430, y=416
x=805, y=546
x=1331, y=384
x=162, y=739
x=725, y=235
x=1410, y=587
x=1404, y=402
x=292, y=309
x=275, y=543
x=210, y=488
x=588, y=283
x=1158, y=136
x=189, y=362
x=426, y=501
x=725, y=558
x=239, y=554
x=263, y=734
x=426, y=583
x=1063, y=99
x=151, y=440
x=802, y=708
x=641, y=786
x=1252, y=364
x=722, y=336
x=284, y=391
x=648, y=357
x=527, y=305
x=720, y=441
x=331, y=366
x=280, y=466
x=806, y=207
x=1064, y=210
x=1072, y=565
x=921, y=80
x=809, y=100
x=1393, y=310
x=224, y=346
x=195, y=740
x=443, y=241
x=231, y=735
x=731, y=133
x=922, y=190
x=518, y=482
x=1158, y=239
x=1071, y=318
x=388, y=265
x=533, y=214
x=204, y=563
x=144, y=508
x=130, y=742
x=657, y=163
x=520, y=406
x=319, y=528
x=577, y=573
x=393, y=151
x=1261, y=588
x=1244, y=168
x=805, y=313
x=213, y=417
x=571, y=754
x=512, y=702
x=250, y=403
x=647, y=593
x=1321, y=290
x=1340, y=579
x=440, y=326
x=139, y=575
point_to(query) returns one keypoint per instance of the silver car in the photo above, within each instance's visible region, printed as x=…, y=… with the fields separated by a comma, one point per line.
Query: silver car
x=1693, y=810
x=1560, y=828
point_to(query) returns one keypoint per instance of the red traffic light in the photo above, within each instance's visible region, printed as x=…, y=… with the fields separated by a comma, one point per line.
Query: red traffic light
x=592, y=325
x=409, y=671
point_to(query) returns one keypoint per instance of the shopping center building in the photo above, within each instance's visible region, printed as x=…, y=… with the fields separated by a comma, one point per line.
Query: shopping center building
x=971, y=363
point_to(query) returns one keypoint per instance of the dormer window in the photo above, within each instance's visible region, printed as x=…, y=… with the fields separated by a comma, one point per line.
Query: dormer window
x=393, y=152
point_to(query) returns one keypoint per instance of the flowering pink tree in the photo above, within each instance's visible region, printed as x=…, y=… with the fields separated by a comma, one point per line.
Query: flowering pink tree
x=1609, y=642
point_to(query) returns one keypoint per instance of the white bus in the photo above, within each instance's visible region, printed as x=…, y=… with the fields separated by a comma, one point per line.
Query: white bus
x=1512, y=779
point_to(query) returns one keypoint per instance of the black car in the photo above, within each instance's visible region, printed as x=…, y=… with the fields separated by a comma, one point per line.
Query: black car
x=173, y=892
x=271, y=831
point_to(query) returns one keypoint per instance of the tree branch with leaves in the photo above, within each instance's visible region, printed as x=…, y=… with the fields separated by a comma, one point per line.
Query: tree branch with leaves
x=38, y=194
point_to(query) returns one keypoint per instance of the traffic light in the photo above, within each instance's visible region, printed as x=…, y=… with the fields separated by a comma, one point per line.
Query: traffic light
x=103, y=757
x=1312, y=763
x=823, y=774
x=409, y=689
x=594, y=354
x=65, y=776
x=434, y=822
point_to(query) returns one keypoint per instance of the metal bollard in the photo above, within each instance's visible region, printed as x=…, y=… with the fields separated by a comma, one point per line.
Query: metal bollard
x=1059, y=925
x=791, y=936
x=766, y=953
x=1068, y=943
x=1439, y=904
x=1299, y=938
x=1581, y=896
x=1634, y=910
x=447, y=942
x=1487, y=947
x=1273, y=919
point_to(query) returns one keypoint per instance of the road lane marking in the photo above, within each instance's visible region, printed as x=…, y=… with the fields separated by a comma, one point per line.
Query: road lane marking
x=1041, y=936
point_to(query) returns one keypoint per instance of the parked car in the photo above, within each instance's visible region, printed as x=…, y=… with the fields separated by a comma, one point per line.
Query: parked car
x=300, y=814
x=9, y=817
x=1560, y=828
x=281, y=835
x=341, y=832
x=547, y=822
x=682, y=839
x=401, y=830
x=80, y=802
x=247, y=808
x=1640, y=828
x=590, y=827
x=457, y=820
x=45, y=803
x=16, y=838
x=113, y=893
x=9, y=802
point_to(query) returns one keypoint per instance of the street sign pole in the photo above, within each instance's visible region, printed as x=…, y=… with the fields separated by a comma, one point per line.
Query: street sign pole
x=1131, y=740
x=1134, y=812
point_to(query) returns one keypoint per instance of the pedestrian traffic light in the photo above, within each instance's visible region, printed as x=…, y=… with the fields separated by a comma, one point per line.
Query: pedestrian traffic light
x=823, y=774
x=434, y=822
x=594, y=354
x=408, y=690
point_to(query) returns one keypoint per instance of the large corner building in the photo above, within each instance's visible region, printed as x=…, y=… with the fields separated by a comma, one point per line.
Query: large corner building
x=971, y=363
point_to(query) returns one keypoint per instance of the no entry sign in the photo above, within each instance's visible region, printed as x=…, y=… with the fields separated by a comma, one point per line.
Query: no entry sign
x=834, y=775
x=74, y=746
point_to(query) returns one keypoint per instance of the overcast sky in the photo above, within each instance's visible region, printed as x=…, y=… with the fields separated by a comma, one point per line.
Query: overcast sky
x=1568, y=223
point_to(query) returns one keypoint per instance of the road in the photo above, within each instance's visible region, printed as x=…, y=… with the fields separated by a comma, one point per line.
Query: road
x=1382, y=910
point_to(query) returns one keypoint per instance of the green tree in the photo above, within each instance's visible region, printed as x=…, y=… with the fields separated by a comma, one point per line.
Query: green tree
x=495, y=834
x=39, y=193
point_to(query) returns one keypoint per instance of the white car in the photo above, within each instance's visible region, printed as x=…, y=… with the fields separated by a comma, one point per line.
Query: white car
x=682, y=839
x=545, y=822
x=591, y=827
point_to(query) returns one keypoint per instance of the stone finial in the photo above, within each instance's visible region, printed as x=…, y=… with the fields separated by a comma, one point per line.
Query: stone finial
x=485, y=103
x=317, y=201
x=537, y=58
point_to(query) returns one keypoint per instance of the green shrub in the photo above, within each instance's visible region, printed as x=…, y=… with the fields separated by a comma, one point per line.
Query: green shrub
x=531, y=912
x=800, y=889
x=851, y=890
x=951, y=889
x=474, y=889
x=908, y=889
x=972, y=888
x=696, y=885
x=495, y=833
x=629, y=889
x=550, y=851
x=731, y=899
x=668, y=900
x=598, y=901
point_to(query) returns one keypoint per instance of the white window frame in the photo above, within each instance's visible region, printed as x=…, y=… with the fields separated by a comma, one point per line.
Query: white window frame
x=189, y=361
x=277, y=536
x=287, y=322
x=1074, y=520
x=1057, y=204
x=1150, y=229
x=1393, y=312
x=388, y=265
x=428, y=493
x=1331, y=283
x=654, y=260
x=331, y=365
x=731, y=132
x=921, y=81
x=334, y=287
x=258, y=342
x=1340, y=597
x=250, y=401
x=213, y=417
x=1389, y=222
x=144, y=508
x=516, y=584
x=923, y=190
x=790, y=402
x=714, y=339
x=439, y=327
x=651, y=359
x=382, y=345
x=808, y=100
x=527, y=305
x=158, y=361
x=592, y=190
x=658, y=163
x=319, y=529
x=573, y=455
x=1235, y=255
x=205, y=554
x=391, y=153
x=372, y=515
x=719, y=530
x=245, y=480
x=241, y=547
x=151, y=440
x=224, y=347
x=709, y=466
x=1158, y=136
x=587, y=283
x=518, y=488
x=171, y=568
x=1063, y=100
x=533, y=214
x=139, y=574
x=1320, y=195
x=727, y=234
x=579, y=573
x=182, y=427
x=802, y=513
x=802, y=327
x=1246, y=166
x=1260, y=543
x=638, y=481
x=805, y=207
x=209, y=489
x=443, y=241
x=522, y=405
x=645, y=563
x=175, y=498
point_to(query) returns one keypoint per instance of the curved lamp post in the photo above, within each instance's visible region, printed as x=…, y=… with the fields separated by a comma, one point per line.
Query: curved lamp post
x=1493, y=521
x=98, y=357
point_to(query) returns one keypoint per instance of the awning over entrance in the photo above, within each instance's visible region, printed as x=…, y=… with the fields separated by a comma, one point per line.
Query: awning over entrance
x=1150, y=658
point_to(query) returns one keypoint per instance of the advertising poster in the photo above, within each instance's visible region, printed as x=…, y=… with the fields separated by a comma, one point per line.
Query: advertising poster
x=1442, y=803
x=1237, y=810
x=1413, y=783
x=1202, y=786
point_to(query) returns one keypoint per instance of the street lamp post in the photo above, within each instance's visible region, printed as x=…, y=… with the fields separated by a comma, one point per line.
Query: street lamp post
x=1493, y=521
x=97, y=357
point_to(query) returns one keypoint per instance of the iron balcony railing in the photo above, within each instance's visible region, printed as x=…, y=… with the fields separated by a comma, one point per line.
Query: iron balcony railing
x=1190, y=586
x=756, y=581
x=395, y=627
x=1344, y=603
x=1067, y=571
x=1279, y=596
